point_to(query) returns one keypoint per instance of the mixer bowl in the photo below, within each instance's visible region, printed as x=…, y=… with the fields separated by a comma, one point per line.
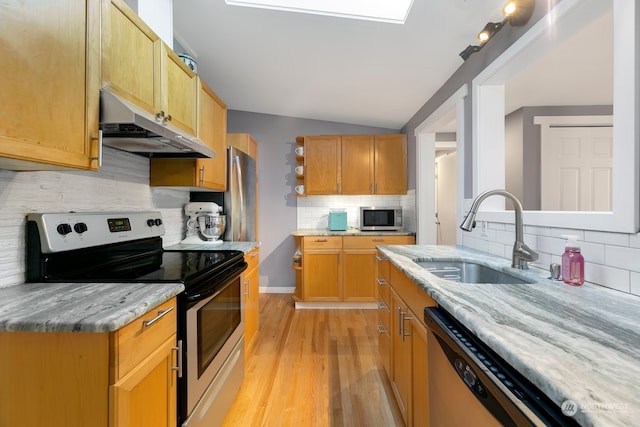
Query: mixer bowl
x=211, y=227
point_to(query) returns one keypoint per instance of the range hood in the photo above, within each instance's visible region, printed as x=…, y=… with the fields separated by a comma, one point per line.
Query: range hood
x=128, y=127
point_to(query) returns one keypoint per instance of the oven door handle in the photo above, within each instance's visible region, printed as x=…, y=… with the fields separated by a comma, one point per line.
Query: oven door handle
x=209, y=292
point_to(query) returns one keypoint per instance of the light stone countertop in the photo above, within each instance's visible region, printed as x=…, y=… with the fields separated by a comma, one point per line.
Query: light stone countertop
x=79, y=307
x=302, y=232
x=579, y=343
x=224, y=246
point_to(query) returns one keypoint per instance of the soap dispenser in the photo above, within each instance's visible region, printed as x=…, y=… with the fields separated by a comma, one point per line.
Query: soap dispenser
x=572, y=262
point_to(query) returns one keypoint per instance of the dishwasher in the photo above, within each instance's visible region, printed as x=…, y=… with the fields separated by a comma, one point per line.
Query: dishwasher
x=469, y=384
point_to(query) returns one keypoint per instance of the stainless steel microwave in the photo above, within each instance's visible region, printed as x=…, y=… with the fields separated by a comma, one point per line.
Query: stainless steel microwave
x=380, y=218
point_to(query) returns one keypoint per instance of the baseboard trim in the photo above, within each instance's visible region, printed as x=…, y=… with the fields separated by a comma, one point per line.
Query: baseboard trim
x=277, y=289
x=336, y=305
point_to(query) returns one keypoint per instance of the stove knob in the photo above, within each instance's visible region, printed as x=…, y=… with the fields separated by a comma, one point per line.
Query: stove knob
x=158, y=222
x=151, y=222
x=80, y=227
x=64, y=229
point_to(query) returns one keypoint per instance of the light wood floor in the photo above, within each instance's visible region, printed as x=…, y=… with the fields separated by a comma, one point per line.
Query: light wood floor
x=314, y=368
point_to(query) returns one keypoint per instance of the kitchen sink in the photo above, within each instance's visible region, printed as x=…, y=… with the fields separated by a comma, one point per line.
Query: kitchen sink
x=469, y=272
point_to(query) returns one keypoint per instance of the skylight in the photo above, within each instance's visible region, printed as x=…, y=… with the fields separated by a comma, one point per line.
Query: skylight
x=394, y=11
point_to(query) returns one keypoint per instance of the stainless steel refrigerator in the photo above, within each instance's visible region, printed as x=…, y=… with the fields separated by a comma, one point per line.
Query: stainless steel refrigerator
x=240, y=197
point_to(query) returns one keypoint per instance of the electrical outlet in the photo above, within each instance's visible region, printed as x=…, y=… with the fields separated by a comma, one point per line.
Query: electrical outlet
x=483, y=229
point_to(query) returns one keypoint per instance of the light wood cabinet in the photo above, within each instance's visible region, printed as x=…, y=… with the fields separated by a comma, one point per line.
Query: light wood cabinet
x=353, y=164
x=140, y=68
x=407, y=352
x=390, y=158
x=50, y=61
x=75, y=379
x=321, y=269
x=341, y=268
x=199, y=174
x=251, y=283
x=322, y=165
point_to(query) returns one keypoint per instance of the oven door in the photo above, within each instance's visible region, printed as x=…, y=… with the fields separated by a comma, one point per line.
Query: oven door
x=214, y=327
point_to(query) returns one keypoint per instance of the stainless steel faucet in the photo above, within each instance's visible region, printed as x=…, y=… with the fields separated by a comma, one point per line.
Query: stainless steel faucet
x=522, y=253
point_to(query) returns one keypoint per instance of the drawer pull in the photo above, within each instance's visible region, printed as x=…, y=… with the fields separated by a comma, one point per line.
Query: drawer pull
x=380, y=328
x=378, y=240
x=380, y=258
x=161, y=314
x=381, y=305
x=321, y=240
x=381, y=282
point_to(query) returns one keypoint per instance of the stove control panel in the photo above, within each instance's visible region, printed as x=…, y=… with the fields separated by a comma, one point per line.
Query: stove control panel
x=69, y=231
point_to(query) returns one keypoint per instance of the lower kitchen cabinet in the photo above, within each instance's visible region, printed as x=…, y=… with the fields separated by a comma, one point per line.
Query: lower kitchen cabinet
x=402, y=341
x=251, y=283
x=124, y=378
x=342, y=268
x=321, y=269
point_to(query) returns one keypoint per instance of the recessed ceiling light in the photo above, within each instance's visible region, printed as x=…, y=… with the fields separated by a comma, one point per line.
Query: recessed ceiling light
x=394, y=11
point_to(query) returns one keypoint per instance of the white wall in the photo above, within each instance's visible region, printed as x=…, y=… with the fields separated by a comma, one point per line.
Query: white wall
x=121, y=184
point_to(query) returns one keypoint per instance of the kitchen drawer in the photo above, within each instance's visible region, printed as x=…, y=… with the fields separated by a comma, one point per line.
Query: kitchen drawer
x=322, y=242
x=252, y=258
x=412, y=294
x=370, y=242
x=383, y=266
x=134, y=342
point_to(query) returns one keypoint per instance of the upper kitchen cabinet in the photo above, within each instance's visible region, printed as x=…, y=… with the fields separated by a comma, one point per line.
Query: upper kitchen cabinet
x=390, y=164
x=139, y=67
x=322, y=164
x=354, y=164
x=245, y=143
x=199, y=174
x=49, y=57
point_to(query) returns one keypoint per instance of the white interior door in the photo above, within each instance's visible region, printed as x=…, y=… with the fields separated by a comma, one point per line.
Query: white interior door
x=576, y=168
x=446, y=199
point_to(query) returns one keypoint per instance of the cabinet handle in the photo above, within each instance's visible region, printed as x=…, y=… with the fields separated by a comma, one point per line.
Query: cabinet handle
x=380, y=328
x=381, y=258
x=178, y=366
x=321, y=240
x=99, y=139
x=160, y=115
x=168, y=118
x=380, y=239
x=381, y=305
x=381, y=282
x=254, y=254
x=202, y=176
x=405, y=317
x=161, y=314
x=400, y=321
x=247, y=287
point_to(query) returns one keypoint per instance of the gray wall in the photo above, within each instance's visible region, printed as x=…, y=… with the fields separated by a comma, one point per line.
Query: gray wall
x=276, y=136
x=467, y=71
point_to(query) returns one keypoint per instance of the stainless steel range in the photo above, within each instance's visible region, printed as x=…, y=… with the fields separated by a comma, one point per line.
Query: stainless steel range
x=127, y=247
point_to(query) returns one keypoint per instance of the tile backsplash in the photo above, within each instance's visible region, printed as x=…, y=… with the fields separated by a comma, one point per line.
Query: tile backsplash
x=610, y=259
x=313, y=211
x=121, y=184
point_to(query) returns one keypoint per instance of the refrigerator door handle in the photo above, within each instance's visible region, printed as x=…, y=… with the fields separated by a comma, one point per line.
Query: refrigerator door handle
x=238, y=169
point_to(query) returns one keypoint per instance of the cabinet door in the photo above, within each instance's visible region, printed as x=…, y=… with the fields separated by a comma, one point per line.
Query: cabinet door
x=130, y=56
x=390, y=164
x=146, y=396
x=251, y=282
x=357, y=164
x=178, y=89
x=322, y=165
x=419, y=375
x=358, y=275
x=49, y=57
x=212, y=130
x=322, y=275
x=401, y=359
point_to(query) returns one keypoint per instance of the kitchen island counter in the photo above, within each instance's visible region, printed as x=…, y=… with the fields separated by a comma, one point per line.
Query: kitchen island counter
x=575, y=343
x=79, y=307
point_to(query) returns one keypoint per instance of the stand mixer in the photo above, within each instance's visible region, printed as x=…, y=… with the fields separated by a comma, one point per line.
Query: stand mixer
x=205, y=224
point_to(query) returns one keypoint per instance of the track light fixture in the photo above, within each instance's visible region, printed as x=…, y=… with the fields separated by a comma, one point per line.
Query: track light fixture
x=516, y=12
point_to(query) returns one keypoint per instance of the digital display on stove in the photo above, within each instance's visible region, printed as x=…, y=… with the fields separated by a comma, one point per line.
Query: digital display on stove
x=119, y=224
